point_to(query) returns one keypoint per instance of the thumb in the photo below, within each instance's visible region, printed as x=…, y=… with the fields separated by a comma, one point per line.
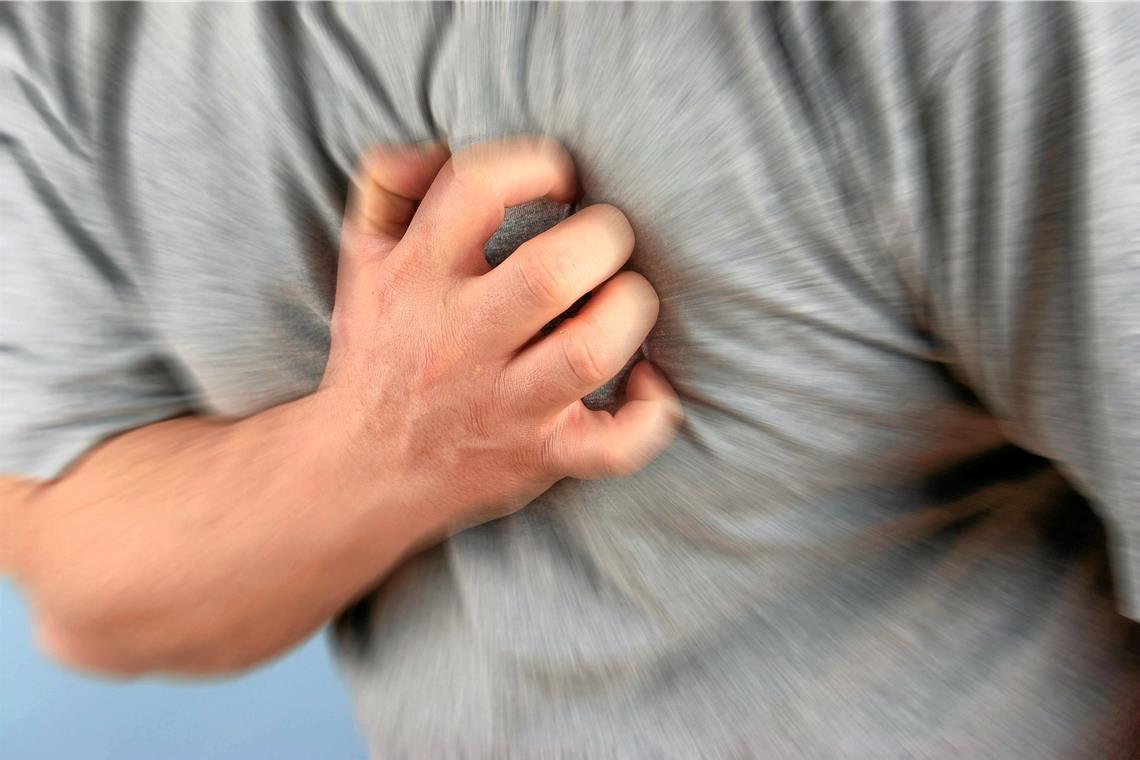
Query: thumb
x=388, y=183
x=386, y=187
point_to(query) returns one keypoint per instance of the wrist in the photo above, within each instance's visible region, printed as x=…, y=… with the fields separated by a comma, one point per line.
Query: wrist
x=383, y=498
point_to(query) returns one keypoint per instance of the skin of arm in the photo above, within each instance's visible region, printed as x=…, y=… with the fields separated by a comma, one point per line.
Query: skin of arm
x=205, y=546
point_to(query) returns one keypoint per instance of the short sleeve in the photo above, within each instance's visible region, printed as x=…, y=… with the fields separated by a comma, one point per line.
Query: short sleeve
x=1031, y=244
x=77, y=363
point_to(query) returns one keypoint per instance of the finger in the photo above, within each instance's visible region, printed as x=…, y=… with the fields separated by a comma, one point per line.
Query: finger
x=386, y=186
x=548, y=273
x=596, y=444
x=587, y=349
x=388, y=183
x=465, y=204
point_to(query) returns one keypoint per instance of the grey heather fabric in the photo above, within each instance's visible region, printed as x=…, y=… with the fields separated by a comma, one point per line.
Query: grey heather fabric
x=897, y=250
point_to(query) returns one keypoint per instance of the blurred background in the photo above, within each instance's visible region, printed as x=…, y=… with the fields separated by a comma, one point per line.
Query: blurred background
x=293, y=708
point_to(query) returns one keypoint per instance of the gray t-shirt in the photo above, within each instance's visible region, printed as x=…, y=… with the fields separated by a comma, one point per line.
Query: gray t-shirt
x=898, y=252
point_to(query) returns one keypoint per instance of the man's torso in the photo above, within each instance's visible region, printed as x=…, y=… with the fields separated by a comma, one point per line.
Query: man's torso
x=841, y=555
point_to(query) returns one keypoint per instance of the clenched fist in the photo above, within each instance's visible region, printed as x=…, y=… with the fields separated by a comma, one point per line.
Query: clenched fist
x=438, y=362
x=205, y=545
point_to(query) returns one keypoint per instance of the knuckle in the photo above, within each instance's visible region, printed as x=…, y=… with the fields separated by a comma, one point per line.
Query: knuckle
x=467, y=170
x=586, y=359
x=535, y=146
x=405, y=271
x=368, y=166
x=401, y=282
x=542, y=144
x=504, y=394
x=554, y=152
x=531, y=452
x=488, y=315
x=556, y=449
x=477, y=422
x=543, y=455
x=541, y=282
x=560, y=258
x=546, y=457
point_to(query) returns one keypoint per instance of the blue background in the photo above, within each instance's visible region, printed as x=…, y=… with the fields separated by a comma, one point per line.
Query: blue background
x=293, y=708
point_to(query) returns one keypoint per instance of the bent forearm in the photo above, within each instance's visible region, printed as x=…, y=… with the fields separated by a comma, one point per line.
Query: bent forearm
x=194, y=546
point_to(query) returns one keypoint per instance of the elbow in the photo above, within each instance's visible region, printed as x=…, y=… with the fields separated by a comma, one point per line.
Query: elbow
x=86, y=651
x=103, y=627
x=113, y=651
x=123, y=625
